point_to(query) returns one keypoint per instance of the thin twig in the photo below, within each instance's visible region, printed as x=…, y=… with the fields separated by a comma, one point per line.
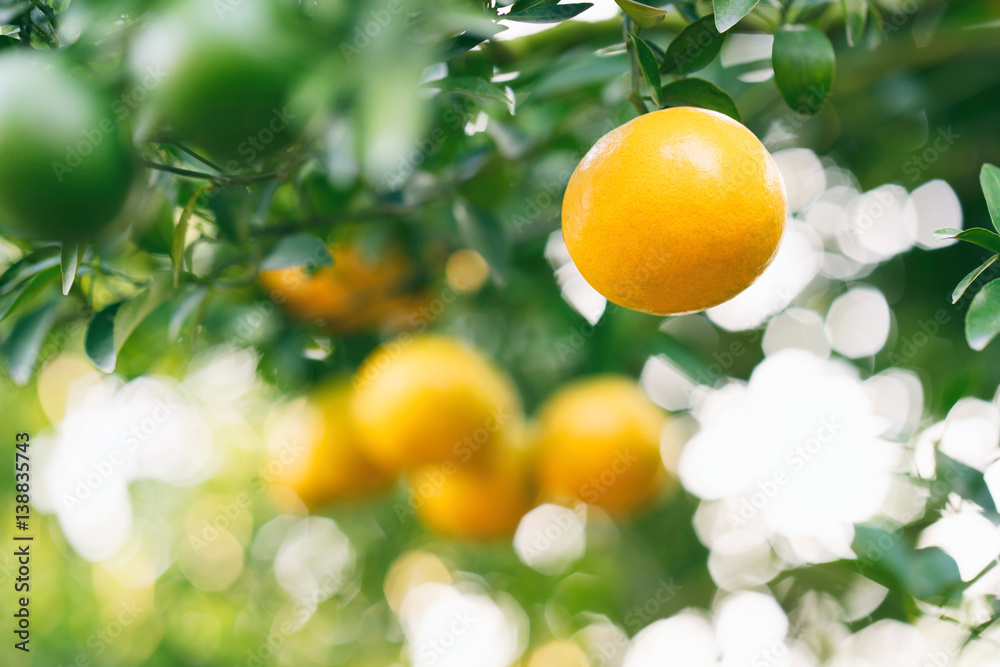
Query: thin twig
x=205, y=161
x=634, y=92
x=218, y=179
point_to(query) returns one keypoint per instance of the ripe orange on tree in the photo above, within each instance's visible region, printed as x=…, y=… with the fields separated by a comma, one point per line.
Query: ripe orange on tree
x=674, y=212
x=430, y=399
x=317, y=452
x=598, y=441
x=482, y=499
x=356, y=293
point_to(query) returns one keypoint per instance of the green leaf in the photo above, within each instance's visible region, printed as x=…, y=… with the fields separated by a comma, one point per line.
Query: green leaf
x=548, y=13
x=883, y=557
x=804, y=65
x=297, y=250
x=111, y=328
x=483, y=232
x=25, y=342
x=983, y=238
x=184, y=311
x=699, y=93
x=643, y=15
x=520, y=5
x=28, y=266
x=982, y=322
x=729, y=12
x=969, y=279
x=180, y=235
x=695, y=48
x=989, y=178
x=466, y=40
x=100, y=339
x=26, y=290
x=649, y=66
x=472, y=86
x=69, y=262
x=855, y=17
x=964, y=480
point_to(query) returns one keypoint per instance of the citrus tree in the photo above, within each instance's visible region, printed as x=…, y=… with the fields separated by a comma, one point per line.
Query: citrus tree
x=618, y=329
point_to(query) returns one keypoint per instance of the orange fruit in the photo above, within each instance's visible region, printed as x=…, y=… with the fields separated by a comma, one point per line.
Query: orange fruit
x=674, y=212
x=599, y=441
x=558, y=653
x=481, y=500
x=430, y=399
x=357, y=293
x=317, y=452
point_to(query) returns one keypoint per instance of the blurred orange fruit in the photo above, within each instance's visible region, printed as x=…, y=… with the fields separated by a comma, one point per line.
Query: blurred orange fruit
x=357, y=293
x=558, y=653
x=429, y=399
x=481, y=500
x=674, y=212
x=599, y=441
x=318, y=455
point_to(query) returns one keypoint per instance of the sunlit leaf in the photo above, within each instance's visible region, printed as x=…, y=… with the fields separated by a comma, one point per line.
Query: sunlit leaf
x=982, y=322
x=72, y=254
x=969, y=279
x=24, y=291
x=187, y=307
x=729, y=12
x=643, y=15
x=111, y=328
x=548, y=13
x=855, y=17
x=984, y=238
x=28, y=266
x=989, y=178
x=694, y=48
x=180, y=233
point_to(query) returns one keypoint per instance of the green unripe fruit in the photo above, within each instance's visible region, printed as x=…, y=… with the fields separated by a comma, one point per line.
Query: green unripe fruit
x=226, y=73
x=65, y=167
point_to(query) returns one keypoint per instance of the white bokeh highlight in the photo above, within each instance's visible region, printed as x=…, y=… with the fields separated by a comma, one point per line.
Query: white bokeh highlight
x=550, y=538
x=858, y=322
